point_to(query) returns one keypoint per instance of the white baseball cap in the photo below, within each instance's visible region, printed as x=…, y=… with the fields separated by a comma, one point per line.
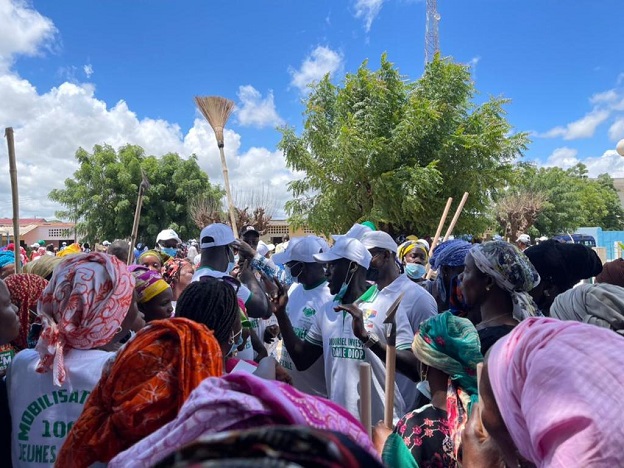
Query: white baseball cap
x=356, y=232
x=524, y=238
x=35, y=245
x=379, y=240
x=167, y=234
x=105, y=243
x=264, y=249
x=215, y=235
x=301, y=249
x=349, y=248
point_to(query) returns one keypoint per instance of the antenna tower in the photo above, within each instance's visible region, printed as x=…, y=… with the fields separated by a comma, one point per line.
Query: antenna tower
x=432, y=40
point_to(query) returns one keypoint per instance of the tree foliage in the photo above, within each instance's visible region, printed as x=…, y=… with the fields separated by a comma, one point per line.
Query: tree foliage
x=572, y=200
x=102, y=194
x=384, y=148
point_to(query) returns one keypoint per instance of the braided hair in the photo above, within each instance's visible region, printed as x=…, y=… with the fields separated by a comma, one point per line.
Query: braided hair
x=212, y=302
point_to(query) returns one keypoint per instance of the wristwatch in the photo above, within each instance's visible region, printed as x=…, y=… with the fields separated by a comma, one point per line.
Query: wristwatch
x=372, y=340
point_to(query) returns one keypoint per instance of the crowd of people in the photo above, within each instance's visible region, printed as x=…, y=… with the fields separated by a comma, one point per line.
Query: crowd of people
x=230, y=351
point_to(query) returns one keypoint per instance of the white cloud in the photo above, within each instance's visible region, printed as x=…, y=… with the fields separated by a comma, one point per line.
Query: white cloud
x=368, y=11
x=608, y=163
x=23, y=31
x=582, y=128
x=256, y=111
x=88, y=70
x=50, y=125
x=616, y=130
x=321, y=61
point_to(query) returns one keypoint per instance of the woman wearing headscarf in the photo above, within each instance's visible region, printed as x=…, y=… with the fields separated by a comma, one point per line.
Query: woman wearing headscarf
x=597, y=304
x=25, y=290
x=241, y=401
x=548, y=399
x=448, y=348
x=7, y=263
x=612, y=273
x=86, y=306
x=413, y=257
x=153, y=259
x=153, y=293
x=178, y=273
x=143, y=390
x=448, y=260
x=44, y=266
x=496, y=281
x=560, y=267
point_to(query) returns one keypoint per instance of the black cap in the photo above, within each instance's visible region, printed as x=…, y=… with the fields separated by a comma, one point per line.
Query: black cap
x=248, y=229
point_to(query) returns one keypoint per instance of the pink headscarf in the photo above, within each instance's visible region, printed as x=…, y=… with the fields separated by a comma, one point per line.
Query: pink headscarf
x=82, y=307
x=241, y=401
x=559, y=386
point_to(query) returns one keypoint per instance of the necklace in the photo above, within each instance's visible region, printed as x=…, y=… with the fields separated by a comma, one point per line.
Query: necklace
x=479, y=325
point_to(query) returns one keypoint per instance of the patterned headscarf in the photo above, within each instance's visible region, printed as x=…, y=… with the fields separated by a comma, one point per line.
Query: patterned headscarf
x=172, y=268
x=143, y=390
x=82, y=307
x=149, y=283
x=451, y=344
x=597, y=304
x=25, y=290
x=558, y=386
x=241, y=401
x=512, y=271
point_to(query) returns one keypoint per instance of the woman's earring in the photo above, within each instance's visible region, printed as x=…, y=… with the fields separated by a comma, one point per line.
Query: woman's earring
x=119, y=330
x=488, y=287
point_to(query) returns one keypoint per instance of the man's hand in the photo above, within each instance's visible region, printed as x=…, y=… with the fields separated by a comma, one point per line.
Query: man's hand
x=280, y=299
x=245, y=250
x=359, y=330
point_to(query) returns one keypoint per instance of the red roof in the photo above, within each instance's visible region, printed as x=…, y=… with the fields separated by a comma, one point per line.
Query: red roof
x=22, y=221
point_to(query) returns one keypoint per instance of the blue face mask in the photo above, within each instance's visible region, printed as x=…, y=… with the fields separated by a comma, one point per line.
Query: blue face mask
x=415, y=270
x=236, y=344
x=171, y=251
x=345, y=285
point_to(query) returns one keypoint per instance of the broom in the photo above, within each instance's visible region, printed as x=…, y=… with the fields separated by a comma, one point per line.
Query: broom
x=217, y=110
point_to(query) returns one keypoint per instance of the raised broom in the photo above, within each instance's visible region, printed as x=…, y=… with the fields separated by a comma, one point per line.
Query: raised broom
x=217, y=110
x=8, y=132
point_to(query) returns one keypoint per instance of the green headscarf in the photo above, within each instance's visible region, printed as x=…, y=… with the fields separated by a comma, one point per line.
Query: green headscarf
x=450, y=344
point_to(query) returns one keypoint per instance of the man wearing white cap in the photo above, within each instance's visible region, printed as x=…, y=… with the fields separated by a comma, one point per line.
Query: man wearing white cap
x=356, y=232
x=217, y=260
x=523, y=241
x=306, y=300
x=168, y=241
x=335, y=334
x=416, y=306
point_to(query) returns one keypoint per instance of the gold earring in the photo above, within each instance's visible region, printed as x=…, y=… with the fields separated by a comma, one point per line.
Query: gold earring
x=488, y=287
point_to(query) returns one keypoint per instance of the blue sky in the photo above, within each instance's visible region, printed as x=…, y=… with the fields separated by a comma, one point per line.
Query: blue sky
x=75, y=73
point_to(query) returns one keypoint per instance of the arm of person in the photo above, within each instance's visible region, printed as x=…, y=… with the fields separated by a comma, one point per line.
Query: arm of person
x=303, y=353
x=257, y=304
x=258, y=346
x=406, y=362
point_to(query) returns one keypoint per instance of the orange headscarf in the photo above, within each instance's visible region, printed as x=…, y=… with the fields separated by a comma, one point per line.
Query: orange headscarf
x=143, y=390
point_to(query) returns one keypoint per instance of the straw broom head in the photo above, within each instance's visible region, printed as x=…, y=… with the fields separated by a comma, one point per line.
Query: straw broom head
x=216, y=110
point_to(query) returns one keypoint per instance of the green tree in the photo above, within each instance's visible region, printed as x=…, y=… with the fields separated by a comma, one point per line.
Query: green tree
x=572, y=199
x=101, y=196
x=383, y=148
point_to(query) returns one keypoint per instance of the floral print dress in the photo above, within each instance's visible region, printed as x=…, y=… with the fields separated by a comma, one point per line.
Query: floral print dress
x=426, y=433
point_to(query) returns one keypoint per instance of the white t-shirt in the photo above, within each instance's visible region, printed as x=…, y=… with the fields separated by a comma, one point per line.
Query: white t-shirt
x=243, y=292
x=417, y=306
x=302, y=308
x=343, y=353
x=41, y=413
